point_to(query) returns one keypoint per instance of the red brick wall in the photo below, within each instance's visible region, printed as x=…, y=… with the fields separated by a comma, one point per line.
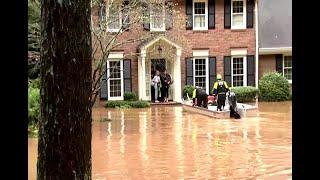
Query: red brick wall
x=218, y=40
x=267, y=63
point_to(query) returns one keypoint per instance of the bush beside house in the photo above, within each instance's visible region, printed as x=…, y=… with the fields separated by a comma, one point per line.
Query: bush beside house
x=130, y=101
x=245, y=94
x=127, y=104
x=33, y=106
x=274, y=87
x=188, y=89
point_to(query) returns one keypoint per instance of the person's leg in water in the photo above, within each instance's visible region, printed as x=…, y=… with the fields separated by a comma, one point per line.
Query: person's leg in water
x=205, y=101
x=167, y=94
x=223, y=101
x=152, y=94
x=199, y=101
x=156, y=93
x=220, y=102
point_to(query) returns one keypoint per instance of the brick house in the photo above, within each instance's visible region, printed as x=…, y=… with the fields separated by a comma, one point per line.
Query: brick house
x=219, y=37
x=275, y=37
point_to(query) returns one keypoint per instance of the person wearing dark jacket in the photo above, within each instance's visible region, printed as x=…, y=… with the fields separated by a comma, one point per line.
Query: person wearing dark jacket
x=166, y=81
x=201, y=96
x=220, y=88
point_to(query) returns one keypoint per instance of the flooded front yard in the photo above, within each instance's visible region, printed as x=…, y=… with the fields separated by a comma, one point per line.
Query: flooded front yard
x=164, y=142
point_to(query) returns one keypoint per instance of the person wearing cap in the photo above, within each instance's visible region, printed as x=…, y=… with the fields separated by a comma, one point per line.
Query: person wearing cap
x=219, y=90
x=202, y=97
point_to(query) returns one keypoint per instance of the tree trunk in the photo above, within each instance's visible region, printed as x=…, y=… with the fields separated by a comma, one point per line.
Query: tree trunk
x=64, y=150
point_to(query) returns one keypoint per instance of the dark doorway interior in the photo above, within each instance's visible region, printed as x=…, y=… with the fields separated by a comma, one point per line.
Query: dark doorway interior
x=160, y=65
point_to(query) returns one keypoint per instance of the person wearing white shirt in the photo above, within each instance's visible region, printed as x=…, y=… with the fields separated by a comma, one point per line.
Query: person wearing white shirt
x=155, y=82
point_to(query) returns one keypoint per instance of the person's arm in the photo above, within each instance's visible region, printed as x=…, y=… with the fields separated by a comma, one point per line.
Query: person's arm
x=214, y=89
x=226, y=85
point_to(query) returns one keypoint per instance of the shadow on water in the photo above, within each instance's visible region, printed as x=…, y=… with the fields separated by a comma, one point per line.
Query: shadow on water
x=167, y=143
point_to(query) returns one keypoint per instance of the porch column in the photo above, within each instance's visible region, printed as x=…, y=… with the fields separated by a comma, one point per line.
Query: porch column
x=177, y=77
x=141, y=73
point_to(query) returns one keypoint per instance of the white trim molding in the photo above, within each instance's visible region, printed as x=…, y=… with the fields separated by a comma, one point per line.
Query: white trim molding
x=116, y=55
x=239, y=52
x=203, y=53
x=276, y=50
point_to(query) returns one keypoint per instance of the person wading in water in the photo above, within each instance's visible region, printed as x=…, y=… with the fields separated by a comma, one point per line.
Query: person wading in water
x=220, y=88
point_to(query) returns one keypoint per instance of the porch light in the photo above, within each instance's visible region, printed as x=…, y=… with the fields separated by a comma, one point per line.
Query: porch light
x=159, y=49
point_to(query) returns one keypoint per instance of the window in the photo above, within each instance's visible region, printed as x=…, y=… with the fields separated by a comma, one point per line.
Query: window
x=200, y=14
x=238, y=17
x=157, y=17
x=238, y=70
x=287, y=67
x=114, y=17
x=115, y=85
x=201, y=72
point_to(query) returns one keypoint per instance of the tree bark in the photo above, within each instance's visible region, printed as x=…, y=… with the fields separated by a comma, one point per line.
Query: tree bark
x=64, y=150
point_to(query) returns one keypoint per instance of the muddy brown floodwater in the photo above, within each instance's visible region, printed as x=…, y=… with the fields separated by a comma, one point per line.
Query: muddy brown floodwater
x=164, y=142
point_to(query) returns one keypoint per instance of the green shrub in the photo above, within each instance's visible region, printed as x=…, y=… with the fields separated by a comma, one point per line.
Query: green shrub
x=130, y=96
x=140, y=104
x=245, y=94
x=127, y=104
x=274, y=87
x=188, y=89
x=33, y=105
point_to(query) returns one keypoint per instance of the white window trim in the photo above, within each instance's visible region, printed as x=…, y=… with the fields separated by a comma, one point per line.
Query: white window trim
x=244, y=70
x=206, y=16
x=244, y=25
x=120, y=20
x=207, y=71
x=121, y=75
x=163, y=20
x=283, y=55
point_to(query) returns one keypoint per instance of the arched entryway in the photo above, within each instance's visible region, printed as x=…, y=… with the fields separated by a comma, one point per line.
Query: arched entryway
x=159, y=53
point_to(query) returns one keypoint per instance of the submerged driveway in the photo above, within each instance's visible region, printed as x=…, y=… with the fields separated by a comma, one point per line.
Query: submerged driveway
x=164, y=142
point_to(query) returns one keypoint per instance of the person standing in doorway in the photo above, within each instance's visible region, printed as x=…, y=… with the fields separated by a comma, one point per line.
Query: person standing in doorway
x=166, y=81
x=220, y=88
x=155, y=82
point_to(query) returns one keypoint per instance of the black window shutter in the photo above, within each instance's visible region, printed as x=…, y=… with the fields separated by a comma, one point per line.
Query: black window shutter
x=127, y=80
x=227, y=14
x=227, y=69
x=189, y=23
x=251, y=70
x=250, y=13
x=189, y=71
x=279, y=63
x=212, y=72
x=104, y=87
x=211, y=18
x=146, y=17
x=168, y=14
x=125, y=15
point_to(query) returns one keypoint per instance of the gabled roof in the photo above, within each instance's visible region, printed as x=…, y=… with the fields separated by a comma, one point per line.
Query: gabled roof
x=275, y=23
x=150, y=41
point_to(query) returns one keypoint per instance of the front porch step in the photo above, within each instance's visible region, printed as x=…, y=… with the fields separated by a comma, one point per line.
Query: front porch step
x=165, y=103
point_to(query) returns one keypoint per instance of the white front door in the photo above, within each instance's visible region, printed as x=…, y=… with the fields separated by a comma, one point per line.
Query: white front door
x=115, y=81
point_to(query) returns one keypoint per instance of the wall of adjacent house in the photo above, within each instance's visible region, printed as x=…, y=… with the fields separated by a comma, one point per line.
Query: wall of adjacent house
x=218, y=41
x=267, y=63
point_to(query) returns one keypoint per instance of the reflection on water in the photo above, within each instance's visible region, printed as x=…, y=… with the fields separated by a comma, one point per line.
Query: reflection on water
x=168, y=143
